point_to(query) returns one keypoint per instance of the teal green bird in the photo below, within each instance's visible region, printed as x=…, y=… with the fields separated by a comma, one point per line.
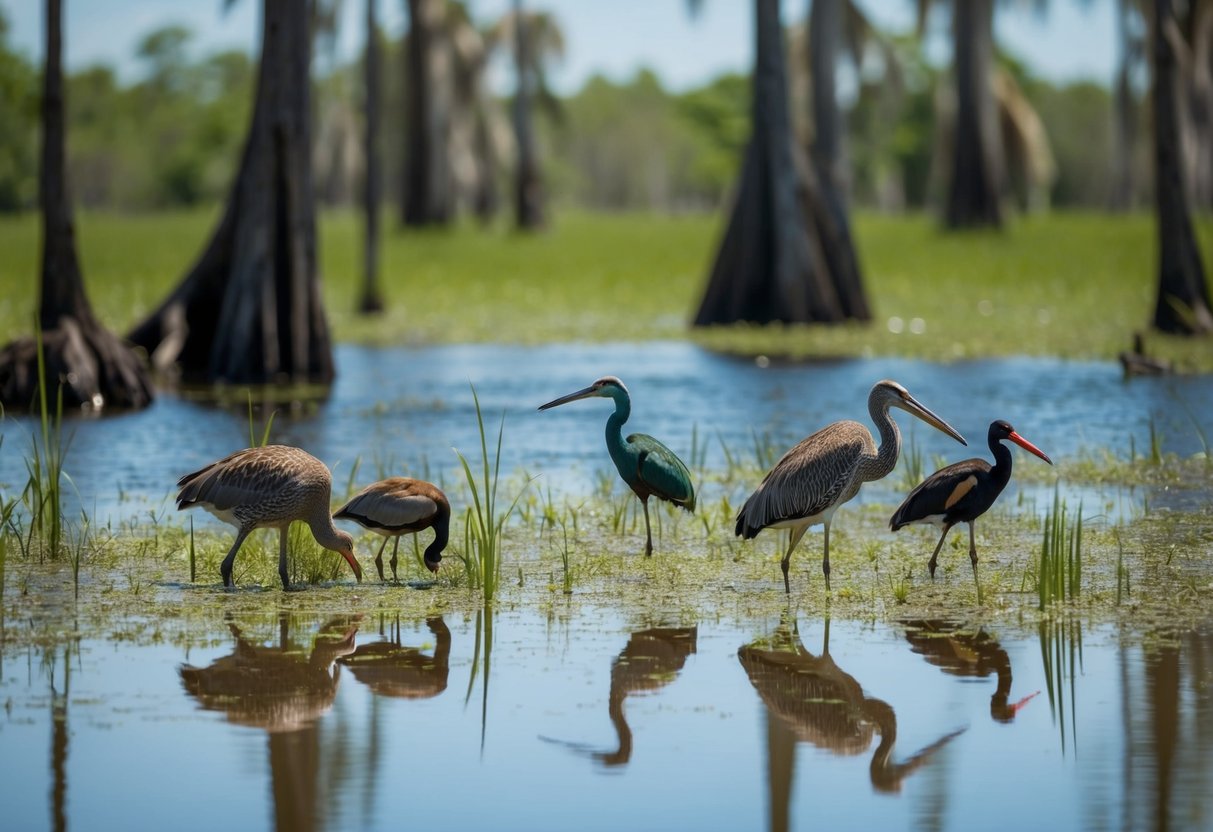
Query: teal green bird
x=648, y=467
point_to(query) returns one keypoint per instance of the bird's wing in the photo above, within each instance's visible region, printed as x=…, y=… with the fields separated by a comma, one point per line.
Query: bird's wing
x=388, y=510
x=662, y=471
x=939, y=492
x=241, y=478
x=809, y=478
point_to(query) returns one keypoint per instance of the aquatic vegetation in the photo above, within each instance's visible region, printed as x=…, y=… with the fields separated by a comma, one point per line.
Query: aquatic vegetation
x=1059, y=570
x=483, y=521
x=1061, y=657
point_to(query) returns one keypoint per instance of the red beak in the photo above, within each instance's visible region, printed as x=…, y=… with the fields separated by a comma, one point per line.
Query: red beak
x=1028, y=446
x=353, y=565
x=1015, y=708
x=432, y=566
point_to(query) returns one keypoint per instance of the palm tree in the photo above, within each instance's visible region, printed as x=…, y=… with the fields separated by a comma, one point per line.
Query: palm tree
x=1123, y=194
x=533, y=38
x=250, y=309
x=83, y=359
x=974, y=190
x=1182, y=305
x=785, y=255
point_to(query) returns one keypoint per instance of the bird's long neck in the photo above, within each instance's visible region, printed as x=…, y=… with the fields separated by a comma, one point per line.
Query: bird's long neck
x=622, y=730
x=321, y=524
x=881, y=465
x=886, y=777
x=1001, y=472
x=442, y=531
x=614, y=429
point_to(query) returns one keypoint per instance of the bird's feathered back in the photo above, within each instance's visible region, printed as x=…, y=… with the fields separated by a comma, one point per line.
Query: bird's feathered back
x=662, y=472
x=808, y=479
x=395, y=504
x=251, y=475
x=936, y=489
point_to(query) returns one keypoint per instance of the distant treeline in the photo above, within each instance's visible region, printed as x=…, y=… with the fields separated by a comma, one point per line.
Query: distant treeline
x=173, y=138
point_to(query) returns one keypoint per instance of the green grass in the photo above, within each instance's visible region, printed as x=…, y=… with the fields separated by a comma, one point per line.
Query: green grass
x=1059, y=570
x=1071, y=285
x=483, y=519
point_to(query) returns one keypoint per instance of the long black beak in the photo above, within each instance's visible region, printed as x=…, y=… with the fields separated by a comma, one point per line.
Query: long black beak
x=923, y=412
x=571, y=397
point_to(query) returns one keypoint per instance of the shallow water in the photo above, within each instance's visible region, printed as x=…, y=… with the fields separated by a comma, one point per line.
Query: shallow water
x=586, y=719
x=401, y=410
x=597, y=717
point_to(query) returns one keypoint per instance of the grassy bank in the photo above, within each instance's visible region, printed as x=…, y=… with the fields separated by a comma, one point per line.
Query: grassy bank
x=1067, y=285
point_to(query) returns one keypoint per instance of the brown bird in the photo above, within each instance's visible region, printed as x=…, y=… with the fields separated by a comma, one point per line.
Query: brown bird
x=827, y=469
x=397, y=506
x=268, y=487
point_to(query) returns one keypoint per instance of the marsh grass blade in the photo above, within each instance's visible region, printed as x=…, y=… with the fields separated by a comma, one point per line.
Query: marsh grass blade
x=265, y=433
x=483, y=523
x=43, y=492
x=1059, y=571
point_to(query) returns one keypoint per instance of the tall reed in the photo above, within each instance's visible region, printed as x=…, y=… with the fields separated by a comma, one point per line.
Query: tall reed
x=483, y=522
x=1059, y=572
x=43, y=492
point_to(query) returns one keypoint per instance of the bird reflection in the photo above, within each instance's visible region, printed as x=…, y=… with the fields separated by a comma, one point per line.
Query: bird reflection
x=967, y=654
x=389, y=668
x=282, y=689
x=278, y=688
x=810, y=699
x=650, y=661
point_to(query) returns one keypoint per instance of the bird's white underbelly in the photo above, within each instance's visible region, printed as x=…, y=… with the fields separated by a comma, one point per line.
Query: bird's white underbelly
x=226, y=515
x=931, y=519
x=803, y=522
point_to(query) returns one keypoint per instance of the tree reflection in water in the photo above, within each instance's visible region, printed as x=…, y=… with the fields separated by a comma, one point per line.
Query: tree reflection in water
x=810, y=699
x=1167, y=713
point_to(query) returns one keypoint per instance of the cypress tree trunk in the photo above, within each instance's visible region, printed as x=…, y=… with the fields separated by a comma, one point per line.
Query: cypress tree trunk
x=827, y=202
x=372, y=300
x=250, y=310
x=783, y=238
x=976, y=186
x=88, y=363
x=528, y=184
x=426, y=198
x=1183, y=304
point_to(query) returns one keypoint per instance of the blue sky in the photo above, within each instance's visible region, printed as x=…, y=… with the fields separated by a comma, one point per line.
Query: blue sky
x=1076, y=41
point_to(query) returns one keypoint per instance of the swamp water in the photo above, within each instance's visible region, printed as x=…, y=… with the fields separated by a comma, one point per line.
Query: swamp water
x=167, y=705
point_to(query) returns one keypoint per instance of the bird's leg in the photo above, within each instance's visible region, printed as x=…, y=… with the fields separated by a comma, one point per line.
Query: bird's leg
x=379, y=560
x=648, y=531
x=794, y=535
x=973, y=559
x=825, y=560
x=395, y=549
x=225, y=568
x=282, y=534
x=972, y=548
x=935, y=555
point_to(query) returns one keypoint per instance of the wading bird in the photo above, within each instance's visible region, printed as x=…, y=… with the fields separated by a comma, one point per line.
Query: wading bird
x=397, y=506
x=648, y=467
x=268, y=487
x=826, y=469
x=962, y=492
